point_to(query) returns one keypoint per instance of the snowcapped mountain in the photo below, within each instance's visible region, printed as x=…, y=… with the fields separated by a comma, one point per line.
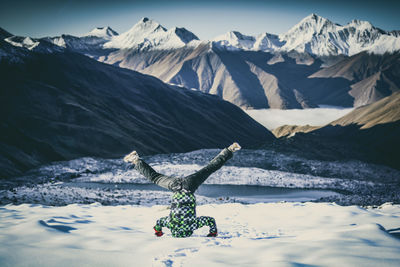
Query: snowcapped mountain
x=298, y=69
x=33, y=44
x=89, y=44
x=234, y=40
x=25, y=42
x=317, y=36
x=267, y=42
x=148, y=34
x=313, y=35
x=102, y=32
x=79, y=44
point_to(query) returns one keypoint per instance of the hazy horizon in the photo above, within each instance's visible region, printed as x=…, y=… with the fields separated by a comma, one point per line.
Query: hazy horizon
x=207, y=19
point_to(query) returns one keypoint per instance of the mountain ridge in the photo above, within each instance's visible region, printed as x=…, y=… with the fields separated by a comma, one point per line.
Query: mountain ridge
x=148, y=34
x=368, y=133
x=313, y=34
x=230, y=68
x=102, y=32
x=64, y=105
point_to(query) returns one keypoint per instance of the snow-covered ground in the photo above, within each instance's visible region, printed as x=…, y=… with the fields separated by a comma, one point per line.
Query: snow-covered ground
x=274, y=234
x=273, y=118
x=98, y=212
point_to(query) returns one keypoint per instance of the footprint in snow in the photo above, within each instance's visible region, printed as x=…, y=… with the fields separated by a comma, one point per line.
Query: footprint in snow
x=59, y=227
x=174, y=259
x=61, y=223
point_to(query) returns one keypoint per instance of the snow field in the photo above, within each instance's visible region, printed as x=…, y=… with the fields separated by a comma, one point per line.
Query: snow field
x=229, y=175
x=274, y=234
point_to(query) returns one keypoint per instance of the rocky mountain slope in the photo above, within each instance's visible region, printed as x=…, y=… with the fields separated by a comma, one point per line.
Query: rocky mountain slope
x=244, y=78
x=270, y=71
x=369, y=133
x=384, y=111
x=62, y=105
x=372, y=77
x=317, y=62
x=291, y=130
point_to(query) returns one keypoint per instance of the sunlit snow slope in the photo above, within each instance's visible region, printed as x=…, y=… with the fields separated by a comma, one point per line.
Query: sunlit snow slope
x=279, y=234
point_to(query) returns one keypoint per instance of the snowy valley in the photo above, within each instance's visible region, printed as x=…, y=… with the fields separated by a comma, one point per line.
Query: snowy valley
x=90, y=214
x=316, y=110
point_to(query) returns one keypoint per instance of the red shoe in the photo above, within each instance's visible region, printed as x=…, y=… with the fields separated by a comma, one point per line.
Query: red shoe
x=157, y=233
x=212, y=234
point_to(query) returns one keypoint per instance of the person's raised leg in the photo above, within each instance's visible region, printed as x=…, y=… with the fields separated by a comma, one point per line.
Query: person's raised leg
x=193, y=181
x=168, y=182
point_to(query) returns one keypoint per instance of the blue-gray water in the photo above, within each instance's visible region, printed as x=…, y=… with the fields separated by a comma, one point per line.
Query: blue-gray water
x=250, y=193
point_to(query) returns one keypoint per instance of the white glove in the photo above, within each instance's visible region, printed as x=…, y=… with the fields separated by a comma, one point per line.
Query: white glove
x=132, y=157
x=234, y=147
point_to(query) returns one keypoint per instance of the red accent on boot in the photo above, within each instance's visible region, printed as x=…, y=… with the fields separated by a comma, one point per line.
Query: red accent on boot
x=212, y=234
x=157, y=233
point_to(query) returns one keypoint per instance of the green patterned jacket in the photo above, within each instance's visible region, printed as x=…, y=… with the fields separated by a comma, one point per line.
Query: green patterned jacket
x=182, y=220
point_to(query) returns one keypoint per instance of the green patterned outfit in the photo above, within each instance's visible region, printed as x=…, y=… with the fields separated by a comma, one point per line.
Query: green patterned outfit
x=182, y=220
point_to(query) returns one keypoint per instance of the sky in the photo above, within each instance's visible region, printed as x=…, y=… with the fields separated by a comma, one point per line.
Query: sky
x=207, y=19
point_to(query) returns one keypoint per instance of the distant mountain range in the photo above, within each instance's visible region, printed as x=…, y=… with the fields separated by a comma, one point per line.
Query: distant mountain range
x=58, y=105
x=317, y=36
x=314, y=35
x=317, y=62
x=58, y=102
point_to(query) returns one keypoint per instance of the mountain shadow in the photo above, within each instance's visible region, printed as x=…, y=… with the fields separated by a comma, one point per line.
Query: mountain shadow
x=63, y=105
x=378, y=144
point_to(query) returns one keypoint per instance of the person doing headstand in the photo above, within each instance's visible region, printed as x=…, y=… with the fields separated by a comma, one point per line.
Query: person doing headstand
x=182, y=220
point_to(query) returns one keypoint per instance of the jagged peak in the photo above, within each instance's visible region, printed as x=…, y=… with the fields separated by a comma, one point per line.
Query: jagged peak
x=310, y=25
x=149, y=34
x=241, y=36
x=267, y=35
x=104, y=32
x=42, y=45
x=142, y=28
x=108, y=28
x=185, y=35
x=361, y=23
x=314, y=19
x=234, y=35
x=395, y=33
x=146, y=23
x=313, y=16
